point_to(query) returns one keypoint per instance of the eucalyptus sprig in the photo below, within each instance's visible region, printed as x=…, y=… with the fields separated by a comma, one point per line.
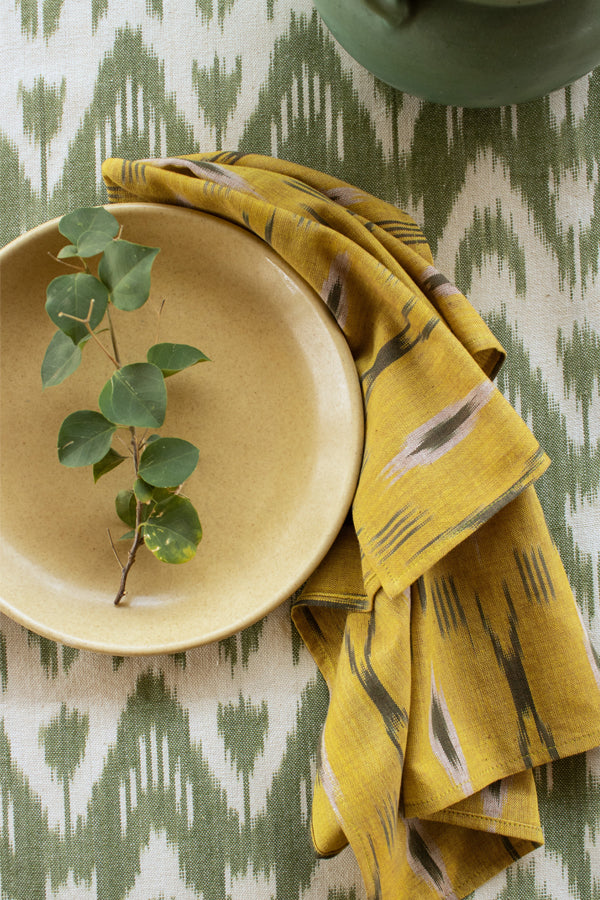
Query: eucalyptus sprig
x=133, y=402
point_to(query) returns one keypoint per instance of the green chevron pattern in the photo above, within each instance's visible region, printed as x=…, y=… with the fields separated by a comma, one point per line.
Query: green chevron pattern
x=191, y=776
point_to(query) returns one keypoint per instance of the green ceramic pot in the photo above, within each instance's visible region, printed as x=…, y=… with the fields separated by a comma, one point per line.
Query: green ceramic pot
x=469, y=52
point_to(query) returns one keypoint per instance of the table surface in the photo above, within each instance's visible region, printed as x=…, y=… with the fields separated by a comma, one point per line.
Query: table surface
x=190, y=776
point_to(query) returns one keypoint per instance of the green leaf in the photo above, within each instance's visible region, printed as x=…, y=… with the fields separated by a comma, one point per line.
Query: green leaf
x=172, y=358
x=67, y=252
x=71, y=295
x=128, y=536
x=142, y=490
x=125, y=270
x=89, y=230
x=135, y=395
x=160, y=493
x=173, y=531
x=84, y=438
x=60, y=360
x=125, y=505
x=107, y=463
x=167, y=462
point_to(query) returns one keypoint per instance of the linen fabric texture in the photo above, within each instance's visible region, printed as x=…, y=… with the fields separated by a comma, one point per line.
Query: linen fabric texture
x=442, y=618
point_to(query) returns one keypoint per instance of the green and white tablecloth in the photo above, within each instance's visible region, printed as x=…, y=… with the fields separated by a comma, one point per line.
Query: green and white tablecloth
x=191, y=776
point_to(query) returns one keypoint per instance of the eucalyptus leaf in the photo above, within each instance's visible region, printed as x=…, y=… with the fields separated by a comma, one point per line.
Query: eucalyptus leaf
x=84, y=438
x=89, y=230
x=125, y=270
x=71, y=295
x=142, y=490
x=125, y=505
x=171, y=358
x=61, y=359
x=167, y=462
x=160, y=493
x=67, y=252
x=135, y=395
x=173, y=531
x=107, y=463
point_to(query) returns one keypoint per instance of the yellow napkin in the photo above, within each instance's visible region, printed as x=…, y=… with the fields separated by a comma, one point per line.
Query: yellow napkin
x=441, y=619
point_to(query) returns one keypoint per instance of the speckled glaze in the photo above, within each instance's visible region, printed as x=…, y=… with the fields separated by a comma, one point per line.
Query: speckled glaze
x=469, y=52
x=277, y=415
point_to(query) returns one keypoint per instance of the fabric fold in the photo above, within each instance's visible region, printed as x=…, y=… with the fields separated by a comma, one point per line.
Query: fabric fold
x=440, y=615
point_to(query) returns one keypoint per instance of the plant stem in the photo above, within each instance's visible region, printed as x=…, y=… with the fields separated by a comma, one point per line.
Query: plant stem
x=103, y=348
x=134, y=449
x=137, y=542
x=114, y=549
x=121, y=441
x=63, y=262
x=113, y=338
x=86, y=322
x=162, y=306
x=138, y=539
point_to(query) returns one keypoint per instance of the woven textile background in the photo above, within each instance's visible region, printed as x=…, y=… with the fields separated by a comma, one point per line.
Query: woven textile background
x=190, y=777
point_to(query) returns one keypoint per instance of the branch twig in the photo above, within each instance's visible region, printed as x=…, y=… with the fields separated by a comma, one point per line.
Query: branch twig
x=86, y=322
x=113, y=338
x=114, y=549
x=137, y=542
x=162, y=306
x=138, y=539
x=63, y=262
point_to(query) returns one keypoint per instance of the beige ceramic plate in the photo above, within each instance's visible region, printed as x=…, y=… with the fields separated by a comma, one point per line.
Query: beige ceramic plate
x=277, y=416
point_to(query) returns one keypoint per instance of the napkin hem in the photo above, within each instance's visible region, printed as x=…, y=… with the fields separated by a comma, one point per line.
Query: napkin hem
x=508, y=827
x=310, y=632
x=326, y=854
x=581, y=743
x=465, y=886
x=348, y=601
x=394, y=583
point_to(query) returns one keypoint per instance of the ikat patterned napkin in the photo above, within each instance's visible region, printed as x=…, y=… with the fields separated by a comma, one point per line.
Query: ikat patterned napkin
x=441, y=618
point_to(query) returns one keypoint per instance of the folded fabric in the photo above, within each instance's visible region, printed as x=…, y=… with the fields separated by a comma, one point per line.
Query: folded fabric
x=441, y=619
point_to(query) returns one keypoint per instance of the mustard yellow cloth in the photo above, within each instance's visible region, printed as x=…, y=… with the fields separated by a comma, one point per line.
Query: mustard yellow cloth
x=442, y=618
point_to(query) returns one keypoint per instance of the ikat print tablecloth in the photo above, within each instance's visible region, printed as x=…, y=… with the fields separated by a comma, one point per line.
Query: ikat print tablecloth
x=192, y=776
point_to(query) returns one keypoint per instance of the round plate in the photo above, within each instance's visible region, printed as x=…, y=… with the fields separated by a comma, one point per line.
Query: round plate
x=277, y=415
